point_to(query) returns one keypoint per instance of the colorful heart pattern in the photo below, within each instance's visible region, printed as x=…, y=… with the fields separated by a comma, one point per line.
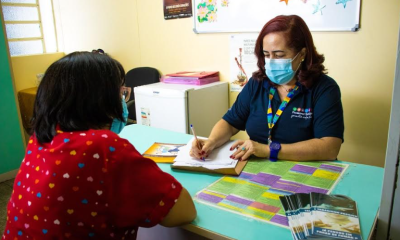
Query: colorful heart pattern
x=55, y=176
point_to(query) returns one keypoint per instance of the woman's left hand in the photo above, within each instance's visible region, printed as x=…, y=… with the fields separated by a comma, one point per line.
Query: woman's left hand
x=244, y=149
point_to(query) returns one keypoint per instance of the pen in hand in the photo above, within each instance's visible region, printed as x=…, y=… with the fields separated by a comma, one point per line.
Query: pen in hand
x=199, y=146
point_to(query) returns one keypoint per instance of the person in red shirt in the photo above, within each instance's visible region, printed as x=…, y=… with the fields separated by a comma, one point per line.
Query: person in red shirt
x=79, y=180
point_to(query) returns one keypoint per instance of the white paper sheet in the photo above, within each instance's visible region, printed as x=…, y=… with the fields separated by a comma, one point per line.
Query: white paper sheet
x=219, y=157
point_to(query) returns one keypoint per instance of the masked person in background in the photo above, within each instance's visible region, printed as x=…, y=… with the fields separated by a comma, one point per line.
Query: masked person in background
x=290, y=108
x=117, y=125
x=79, y=180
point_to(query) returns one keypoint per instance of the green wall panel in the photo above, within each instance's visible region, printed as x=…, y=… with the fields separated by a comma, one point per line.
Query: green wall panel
x=11, y=144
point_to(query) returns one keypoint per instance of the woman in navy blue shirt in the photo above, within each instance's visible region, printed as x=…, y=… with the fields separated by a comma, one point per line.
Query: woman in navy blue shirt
x=290, y=109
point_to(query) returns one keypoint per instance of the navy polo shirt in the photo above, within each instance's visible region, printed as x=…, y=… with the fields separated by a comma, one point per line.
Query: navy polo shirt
x=311, y=113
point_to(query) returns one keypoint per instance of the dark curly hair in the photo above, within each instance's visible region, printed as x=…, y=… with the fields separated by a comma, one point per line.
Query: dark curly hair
x=298, y=36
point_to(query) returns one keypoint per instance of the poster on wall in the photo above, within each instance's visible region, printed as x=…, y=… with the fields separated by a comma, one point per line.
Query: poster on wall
x=242, y=60
x=251, y=15
x=177, y=9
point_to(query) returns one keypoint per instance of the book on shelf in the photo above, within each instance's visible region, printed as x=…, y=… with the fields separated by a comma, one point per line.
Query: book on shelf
x=163, y=152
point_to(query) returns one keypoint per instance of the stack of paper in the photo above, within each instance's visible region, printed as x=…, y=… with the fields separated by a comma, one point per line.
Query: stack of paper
x=219, y=158
x=321, y=216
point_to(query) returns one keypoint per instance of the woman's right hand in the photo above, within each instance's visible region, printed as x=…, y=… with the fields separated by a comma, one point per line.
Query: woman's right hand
x=207, y=147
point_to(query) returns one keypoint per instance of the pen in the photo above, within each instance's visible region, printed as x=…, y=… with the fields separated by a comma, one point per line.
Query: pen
x=197, y=140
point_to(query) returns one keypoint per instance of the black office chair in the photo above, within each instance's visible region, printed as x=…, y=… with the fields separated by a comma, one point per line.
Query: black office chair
x=138, y=77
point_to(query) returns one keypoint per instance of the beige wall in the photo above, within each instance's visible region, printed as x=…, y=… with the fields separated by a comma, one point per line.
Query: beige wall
x=135, y=32
x=106, y=24
x=25, y=68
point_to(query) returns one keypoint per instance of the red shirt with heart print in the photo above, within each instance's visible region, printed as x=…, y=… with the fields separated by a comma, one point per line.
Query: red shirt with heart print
x=87, y=185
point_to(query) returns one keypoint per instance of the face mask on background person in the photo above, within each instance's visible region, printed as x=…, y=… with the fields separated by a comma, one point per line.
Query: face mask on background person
x=117, y=125
x=280, y=71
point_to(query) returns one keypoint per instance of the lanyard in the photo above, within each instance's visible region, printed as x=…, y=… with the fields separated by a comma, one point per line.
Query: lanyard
x=271, y=122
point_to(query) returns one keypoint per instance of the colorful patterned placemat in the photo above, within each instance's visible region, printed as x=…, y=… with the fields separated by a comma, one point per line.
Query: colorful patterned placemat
x=255, y=192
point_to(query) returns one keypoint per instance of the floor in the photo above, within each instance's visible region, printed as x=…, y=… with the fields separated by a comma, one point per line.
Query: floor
x=5, y=193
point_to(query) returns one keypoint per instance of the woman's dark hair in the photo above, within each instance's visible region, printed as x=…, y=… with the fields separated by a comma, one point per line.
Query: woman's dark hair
x=298, y=36
x=80, y=91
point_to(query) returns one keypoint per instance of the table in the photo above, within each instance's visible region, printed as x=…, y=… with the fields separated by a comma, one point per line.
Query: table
x=360, y=182
x=26, y=99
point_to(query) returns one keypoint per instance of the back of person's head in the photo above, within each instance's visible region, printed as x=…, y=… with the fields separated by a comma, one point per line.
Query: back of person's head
x=80, y=91
x=298, y=36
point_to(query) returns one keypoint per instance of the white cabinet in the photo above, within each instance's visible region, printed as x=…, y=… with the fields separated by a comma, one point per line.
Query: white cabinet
x=175, y=106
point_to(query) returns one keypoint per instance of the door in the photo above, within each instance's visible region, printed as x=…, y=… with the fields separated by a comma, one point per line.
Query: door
x=11, y=143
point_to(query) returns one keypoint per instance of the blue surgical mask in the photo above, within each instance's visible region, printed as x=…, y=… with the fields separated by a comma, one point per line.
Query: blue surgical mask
x=117, y=125
x=280, y=71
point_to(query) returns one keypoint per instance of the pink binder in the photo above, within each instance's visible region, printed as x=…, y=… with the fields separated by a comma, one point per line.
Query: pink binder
x=189, y=81
x=194, y=74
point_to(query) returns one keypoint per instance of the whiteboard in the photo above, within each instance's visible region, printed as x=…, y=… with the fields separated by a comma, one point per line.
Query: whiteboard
x=251, y=15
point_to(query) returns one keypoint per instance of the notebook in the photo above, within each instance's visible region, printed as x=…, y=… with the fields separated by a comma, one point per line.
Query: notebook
x=217, y=162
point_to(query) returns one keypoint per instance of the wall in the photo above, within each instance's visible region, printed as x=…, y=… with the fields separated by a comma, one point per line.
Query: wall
x=25, y=68
x=362, y=63
x=93, y=24
x=364, y=66
x=11, y=143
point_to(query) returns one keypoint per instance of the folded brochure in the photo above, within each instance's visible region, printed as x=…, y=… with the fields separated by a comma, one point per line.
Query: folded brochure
x=321, y=216
x=163, y=152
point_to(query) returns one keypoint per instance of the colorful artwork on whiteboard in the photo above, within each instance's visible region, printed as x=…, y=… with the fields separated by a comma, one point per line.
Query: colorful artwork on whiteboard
x=251, y=15
x=342, y=2
x=224, y=3
x=318, y=7
x=286, y=1
x=207, y=10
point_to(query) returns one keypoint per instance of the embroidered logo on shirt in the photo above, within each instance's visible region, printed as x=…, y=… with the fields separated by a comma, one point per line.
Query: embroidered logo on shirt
x=303, y=113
